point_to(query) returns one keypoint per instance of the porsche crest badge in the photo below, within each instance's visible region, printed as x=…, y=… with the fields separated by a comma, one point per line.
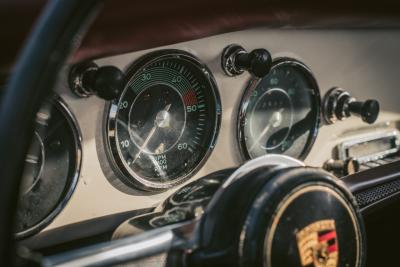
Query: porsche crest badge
x=318, y=245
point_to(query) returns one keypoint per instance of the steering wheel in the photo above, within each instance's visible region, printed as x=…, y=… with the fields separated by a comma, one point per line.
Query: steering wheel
x=272, y=211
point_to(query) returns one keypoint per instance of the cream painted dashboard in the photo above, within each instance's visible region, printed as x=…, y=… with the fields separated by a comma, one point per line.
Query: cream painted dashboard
x=365, y=62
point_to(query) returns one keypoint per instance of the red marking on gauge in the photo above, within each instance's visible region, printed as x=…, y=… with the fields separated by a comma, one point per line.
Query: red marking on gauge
x=190, y=98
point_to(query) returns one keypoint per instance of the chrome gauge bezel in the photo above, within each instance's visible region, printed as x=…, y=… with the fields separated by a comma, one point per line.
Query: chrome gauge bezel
x=123, y=172
x=60, y=104
x=252, y=85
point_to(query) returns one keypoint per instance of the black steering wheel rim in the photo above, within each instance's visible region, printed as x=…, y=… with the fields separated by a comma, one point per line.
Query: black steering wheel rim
x=55, y=36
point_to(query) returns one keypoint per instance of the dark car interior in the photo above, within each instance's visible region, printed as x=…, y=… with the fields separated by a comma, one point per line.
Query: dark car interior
x=199, y=133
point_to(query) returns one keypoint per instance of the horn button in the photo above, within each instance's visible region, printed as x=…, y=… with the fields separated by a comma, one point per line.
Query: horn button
x=294, y=216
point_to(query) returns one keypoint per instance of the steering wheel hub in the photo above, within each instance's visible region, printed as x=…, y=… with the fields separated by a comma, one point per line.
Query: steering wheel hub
x=313, y=226
x=274, y=216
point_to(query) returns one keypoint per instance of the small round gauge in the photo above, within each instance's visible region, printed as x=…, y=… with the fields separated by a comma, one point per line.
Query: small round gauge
x=51, y=168
x=165, y=123
x=279, y=114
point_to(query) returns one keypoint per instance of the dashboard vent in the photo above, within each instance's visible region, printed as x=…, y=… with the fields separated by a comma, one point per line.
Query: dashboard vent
x=367, y=197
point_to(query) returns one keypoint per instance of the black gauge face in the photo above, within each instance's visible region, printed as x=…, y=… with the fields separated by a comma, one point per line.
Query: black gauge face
x=51, y=168
x=165, y=123
x=280, y=113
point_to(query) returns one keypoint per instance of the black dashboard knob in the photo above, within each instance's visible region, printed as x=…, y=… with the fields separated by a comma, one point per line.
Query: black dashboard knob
x=108, y=82
x=338, y=104
x=88, y=79
x=368, y=110
x=236, y=60
x=258, y=62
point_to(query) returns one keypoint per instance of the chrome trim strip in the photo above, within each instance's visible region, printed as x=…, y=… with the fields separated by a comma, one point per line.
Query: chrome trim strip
x=150, y=243
x=116, y=252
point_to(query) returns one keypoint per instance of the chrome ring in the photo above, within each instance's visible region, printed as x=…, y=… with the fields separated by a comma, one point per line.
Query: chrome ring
x=59, y=103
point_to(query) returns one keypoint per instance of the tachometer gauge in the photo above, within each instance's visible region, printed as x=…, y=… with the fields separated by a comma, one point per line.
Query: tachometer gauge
x=166, y=120
x=279, y=114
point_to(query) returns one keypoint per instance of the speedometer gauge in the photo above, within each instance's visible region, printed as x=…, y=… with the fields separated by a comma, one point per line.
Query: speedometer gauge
x=279, y=114
x=166, y=120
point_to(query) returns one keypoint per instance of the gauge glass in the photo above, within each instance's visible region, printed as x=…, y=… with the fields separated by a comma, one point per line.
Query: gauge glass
x=279, y=113
x=51, y=168
x=166, y=120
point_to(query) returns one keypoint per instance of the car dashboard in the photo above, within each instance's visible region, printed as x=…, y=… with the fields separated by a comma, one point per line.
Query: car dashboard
x=182, y=116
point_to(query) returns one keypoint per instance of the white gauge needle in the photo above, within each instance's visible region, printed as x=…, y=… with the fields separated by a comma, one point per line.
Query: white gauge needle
x=157, y=124
x=275, y=121
x=32, y=159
